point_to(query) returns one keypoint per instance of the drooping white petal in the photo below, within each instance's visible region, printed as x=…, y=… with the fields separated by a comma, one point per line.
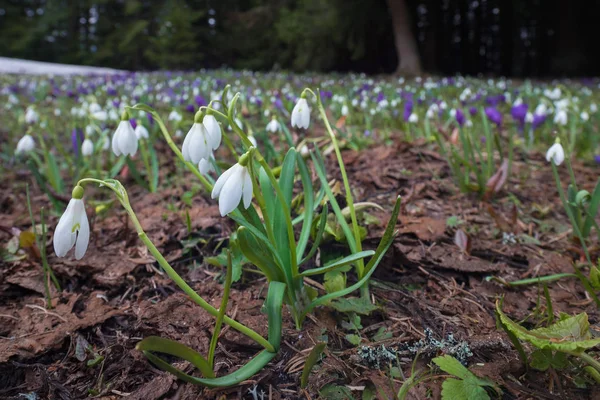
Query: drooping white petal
x=301, y=114
x=185, y=148
x=115, y=145
x=141, y=132
x=214, y=131
x=127, y=140
x=64, y=237
x=205, y=166
x=556, y=153
x=221, y=181
x=246, y=188
x=83, y=235
x=87, y=147
x=199, y=147
x=231, y=193
x=25, y=144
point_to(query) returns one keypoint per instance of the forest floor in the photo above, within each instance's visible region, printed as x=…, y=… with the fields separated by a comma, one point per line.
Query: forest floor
x=116, y=295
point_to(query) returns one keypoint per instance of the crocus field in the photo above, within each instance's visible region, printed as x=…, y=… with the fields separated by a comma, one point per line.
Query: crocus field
x=231, y=234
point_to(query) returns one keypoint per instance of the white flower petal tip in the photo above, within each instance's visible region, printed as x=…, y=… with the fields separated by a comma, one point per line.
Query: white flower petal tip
x=301, y=114
x=73, y=229
x=124, y=140
x=556, y=153
x=233, y=185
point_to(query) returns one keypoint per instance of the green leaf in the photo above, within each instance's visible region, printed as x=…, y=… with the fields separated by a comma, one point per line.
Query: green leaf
x=286, y=183
x=542, y=359
x=334, y=281
x=455, y=389
x=382, y=334
x=259, y=254
x=318, y=236
x=353, y=338
x=592, y=210
x=268, y=193
x=338, y=263
x=570, y=335
x=452, y=366
x=356, y=305
x=154, y=166
x=311, y=360
x=308, y=208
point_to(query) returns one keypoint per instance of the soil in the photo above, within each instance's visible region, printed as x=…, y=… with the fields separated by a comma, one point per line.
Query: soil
x=116, y=295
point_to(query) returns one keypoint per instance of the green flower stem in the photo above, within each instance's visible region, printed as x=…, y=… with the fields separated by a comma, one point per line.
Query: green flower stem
x=360, y=266
x=584, y=280
x=175, y=276
x=146, y=161
x=591, y=361
x=222, y=311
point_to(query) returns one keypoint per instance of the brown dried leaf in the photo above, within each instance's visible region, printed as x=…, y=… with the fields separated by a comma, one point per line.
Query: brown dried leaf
x=462, y=241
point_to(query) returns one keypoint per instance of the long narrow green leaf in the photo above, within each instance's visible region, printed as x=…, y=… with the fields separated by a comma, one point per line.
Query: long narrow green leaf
x=319, y=236
x=319, y=168
x=116, y=168
x=267, y=192
x=258, y=255
x=136, y=174
x=311, y=360
x=308, y=208
x=592, y=210
x=286, y=183
x=338, y=264
x=154, y=166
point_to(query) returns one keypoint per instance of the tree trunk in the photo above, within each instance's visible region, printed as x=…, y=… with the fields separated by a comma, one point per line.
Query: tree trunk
x=406, y=44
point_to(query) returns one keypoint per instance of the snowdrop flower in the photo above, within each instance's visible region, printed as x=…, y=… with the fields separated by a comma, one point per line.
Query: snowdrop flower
x=273, y=126
x=89, y=130
x=124, y=140
x=214, y=130
x=301, y=114
x=87, y=148
x=560, y=117
x=584, y=116
x=73, y=228
x=175, y=116
x=468, y=123
x=344, y=110
x=100, y=115
x=593, y=107
x=205, y=166
x=57, y=112
x=105, y=143
x=31, y=116
x=529, y=117
x=25, y=144
x=141, y=132
x=556, y=153
x=541, y=109
x=413, y=119
x=198, y=144
x=232, y=186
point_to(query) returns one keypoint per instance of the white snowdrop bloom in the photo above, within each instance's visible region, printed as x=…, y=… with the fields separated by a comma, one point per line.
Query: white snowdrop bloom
x=301, y=114
x=354, y=102
x=413, y=119
x=100, y=115
x=233, y=185
x=175, y=116
x=87, y=147
x=113, y=115
x=124, y=141
x=529, y=117
x=584, y=116
x=214, y=130
x=518, y=102
x=31, y=116
x=178, y=133
x=593, y=108
x=429, y=114
x=468, y=123
x=344, y=110
x=556, y=153
x=266, y=113
x=541, y=109
x=25, y=144
x=560, y=118
x=273, y=126
x=89, y=130
x=95, y=107
x=141, y=132
x=198, y=144
x=452, y=113
x=73, y=228
x=57, y=112
x=443, y=105
x=105, y=143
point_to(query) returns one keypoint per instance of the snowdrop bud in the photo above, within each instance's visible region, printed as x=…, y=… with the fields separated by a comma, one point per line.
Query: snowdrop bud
x=556, y=153
x=301, y=114
x=25, y=144
x=232, y=186
x=413, y=119
x=31, y=116
x=87, y=147
x=124, y=140
x=273, y=125
x=560, y=117
x=73, y=228
x=214, y=130
x=141, y=132
x=584, y=116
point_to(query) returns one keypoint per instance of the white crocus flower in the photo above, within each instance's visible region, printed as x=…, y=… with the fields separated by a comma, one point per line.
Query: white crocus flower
x=584, y=116
x=31, y=116
x=214, y=130
x=560, y=117
x=232, y=186
x=413, y=119
x=198, y=144
x=73, y=228
x=556, y=153
x=301, y=114
x=273, y=126
x=141, y=132
x=124, y=140
x=25, y=144
x=87, y=147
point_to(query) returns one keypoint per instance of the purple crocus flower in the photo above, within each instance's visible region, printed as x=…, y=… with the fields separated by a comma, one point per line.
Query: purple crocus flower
x=76, y=140
x=473, y=111
x=494, y=115
x=150, y=119
x=597, y=158
x=408, y=109
x=519, y=112
x=460, y=117
x=133, y=123
x=200, y=101
x=190, y=108
x=538, y=119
